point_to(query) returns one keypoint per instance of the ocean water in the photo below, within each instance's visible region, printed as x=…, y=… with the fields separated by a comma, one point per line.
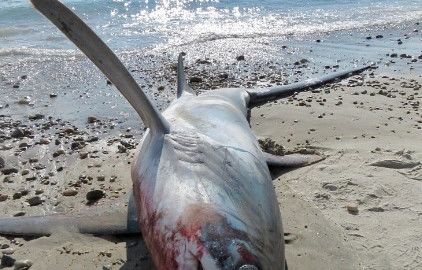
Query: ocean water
x=132, y=25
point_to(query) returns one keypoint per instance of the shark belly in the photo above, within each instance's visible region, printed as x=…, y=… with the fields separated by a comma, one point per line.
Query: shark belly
x=206, y=198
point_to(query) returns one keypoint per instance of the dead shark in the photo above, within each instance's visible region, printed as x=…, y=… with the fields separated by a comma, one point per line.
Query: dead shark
x=202, y=191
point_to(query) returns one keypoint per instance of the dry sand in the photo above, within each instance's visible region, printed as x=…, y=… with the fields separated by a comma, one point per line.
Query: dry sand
x=344, y=212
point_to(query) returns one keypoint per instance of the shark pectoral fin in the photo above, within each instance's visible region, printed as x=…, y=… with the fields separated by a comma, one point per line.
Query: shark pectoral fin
x=263, y=96
x=102, y=56
x=92, y=221
x=291, y=161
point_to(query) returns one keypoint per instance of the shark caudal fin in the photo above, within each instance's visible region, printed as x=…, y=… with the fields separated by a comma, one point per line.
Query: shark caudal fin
x=269, y=94
x=182, y=85
x=102, y=56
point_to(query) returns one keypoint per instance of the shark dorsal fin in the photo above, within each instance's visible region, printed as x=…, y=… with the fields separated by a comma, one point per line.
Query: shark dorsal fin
x=182, y=85
x=181, y=80
x=102, y=56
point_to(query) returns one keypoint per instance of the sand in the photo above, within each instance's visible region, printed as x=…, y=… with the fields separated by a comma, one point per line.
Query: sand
x=360, y=208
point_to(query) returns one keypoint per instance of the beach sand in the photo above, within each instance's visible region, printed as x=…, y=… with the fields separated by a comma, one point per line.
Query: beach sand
x=360, y=208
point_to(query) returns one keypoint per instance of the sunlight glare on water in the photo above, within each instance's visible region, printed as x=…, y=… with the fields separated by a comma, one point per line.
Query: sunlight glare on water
x=132, y=24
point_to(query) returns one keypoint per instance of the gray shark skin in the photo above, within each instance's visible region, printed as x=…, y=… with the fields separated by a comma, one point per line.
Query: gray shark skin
x=206, y=194
x=202, y=191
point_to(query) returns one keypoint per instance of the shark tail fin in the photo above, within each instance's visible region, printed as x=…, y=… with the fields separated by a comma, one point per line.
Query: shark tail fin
x=263, y=96
x=102, y=56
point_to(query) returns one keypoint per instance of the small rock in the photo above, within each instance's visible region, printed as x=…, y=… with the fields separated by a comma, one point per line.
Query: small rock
x=3, y=197
x=161, y=88
x=240, y=58
x=44, y=141
x=7, y=171
x=17, y=133
x=94, y=195
x=36, y=116
x=7, y=261
x=195, y=79
x=352, y=209
x=58, y=153
x=33, y=201
x=24, y=101
x=107, y=267
x=8, y=251
x=101, y=178
x=23, y=264
x=92, y=119
x=379, y=36
x=19, y=214
x=2, y=163
x=69, y=192
x=53, y=95
x=83, y=155
x=17, y=195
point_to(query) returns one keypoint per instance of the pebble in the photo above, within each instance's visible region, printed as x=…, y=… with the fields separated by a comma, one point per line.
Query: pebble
x=352, y=209
x=92, y=119
x=33, y=201
x=240, y=58
x=58, y=153
x=23, y=264
x=17, y=195
x=94, y=195
x=7, y=261
x=8, y=251
x=3, y=197
x=44, y=141
x=19, y=214
x=70, y=192
x=7, y=171
x=17, y=133
x=195, y=79
x=36, y=116
x=24, y=101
